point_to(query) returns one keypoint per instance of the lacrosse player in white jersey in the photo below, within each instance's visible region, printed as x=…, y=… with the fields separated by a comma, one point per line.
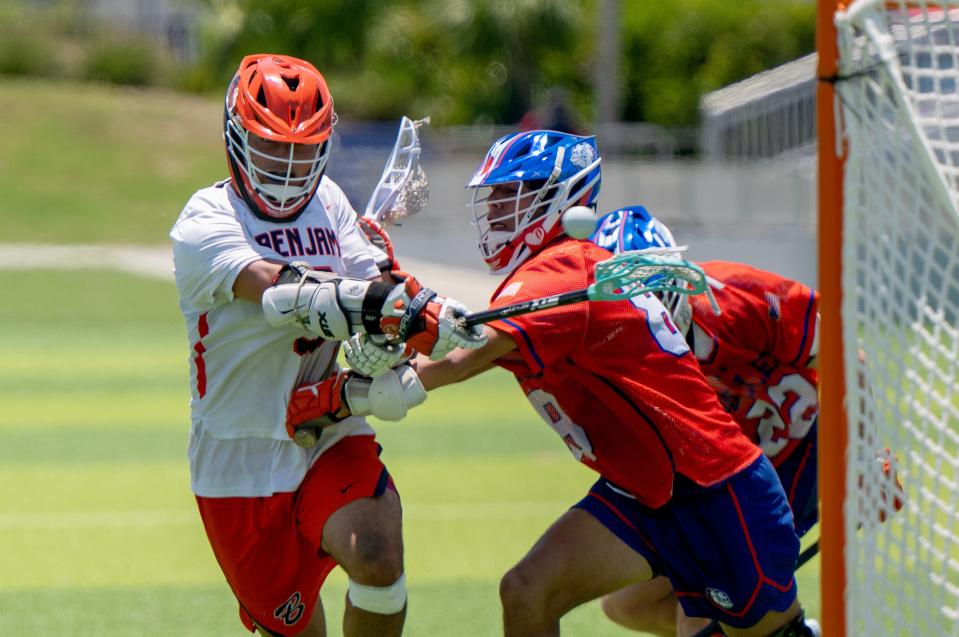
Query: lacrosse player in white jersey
x=272, y=273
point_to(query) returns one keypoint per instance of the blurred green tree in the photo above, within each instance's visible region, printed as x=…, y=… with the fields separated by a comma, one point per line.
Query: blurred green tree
x=465, y=61
x=674, y=52
x=486, y=61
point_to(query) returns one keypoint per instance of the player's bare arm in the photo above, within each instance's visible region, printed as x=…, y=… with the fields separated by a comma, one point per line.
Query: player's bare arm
x=462, y=364
x=255, y=279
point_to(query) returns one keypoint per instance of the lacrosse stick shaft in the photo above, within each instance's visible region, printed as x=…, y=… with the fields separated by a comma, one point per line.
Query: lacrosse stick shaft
x=526, y=307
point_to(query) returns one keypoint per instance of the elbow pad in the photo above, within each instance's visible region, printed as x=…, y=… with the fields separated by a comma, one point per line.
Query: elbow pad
x=388, y=397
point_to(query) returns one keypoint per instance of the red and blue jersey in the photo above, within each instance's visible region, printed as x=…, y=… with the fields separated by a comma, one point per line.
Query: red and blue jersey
x=617, y=380
x=757, y=353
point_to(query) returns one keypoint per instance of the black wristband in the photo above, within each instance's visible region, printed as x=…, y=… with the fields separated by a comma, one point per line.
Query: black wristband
x=372, y=310
x=417, y=304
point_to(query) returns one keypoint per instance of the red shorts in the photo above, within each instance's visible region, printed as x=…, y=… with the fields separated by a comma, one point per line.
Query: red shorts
x=270, y=547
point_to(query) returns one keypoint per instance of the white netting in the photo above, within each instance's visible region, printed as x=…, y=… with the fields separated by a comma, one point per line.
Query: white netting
x=900, y=119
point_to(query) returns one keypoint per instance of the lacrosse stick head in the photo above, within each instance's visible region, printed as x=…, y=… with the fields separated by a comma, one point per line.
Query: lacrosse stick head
x=656, y=270
x=278, y=118
x=634, y=229
x=523, y=186
x=403, y=189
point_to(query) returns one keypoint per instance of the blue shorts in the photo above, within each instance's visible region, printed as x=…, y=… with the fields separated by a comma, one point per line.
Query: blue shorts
x=798, y=473
x=729, y=550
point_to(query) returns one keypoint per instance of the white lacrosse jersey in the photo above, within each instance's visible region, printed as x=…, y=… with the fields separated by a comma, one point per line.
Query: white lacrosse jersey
x=242, y=370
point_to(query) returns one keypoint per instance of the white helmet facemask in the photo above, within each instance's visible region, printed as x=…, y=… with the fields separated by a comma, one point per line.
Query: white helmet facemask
x=283, y=176
x=532, y=201
x=496, y=229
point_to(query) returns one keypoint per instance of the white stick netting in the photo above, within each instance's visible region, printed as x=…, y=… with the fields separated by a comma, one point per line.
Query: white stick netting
x=900, y=118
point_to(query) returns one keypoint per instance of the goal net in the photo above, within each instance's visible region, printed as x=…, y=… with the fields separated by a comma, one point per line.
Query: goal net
x=896, y=117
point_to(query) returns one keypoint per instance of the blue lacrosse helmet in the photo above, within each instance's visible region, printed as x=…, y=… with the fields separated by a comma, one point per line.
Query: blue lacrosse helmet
x=523, y=186
x=633, y=228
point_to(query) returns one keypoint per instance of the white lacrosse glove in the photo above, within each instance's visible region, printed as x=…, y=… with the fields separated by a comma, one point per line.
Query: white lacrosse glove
x=430, y=324
x=373, y=356
x=445, y=330
x=388, y=397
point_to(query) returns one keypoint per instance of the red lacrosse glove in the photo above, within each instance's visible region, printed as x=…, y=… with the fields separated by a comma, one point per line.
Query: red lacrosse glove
x=322, y=402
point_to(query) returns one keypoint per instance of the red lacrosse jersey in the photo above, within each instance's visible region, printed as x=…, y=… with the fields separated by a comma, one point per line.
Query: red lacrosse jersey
x=617, y=381
x=757, y=353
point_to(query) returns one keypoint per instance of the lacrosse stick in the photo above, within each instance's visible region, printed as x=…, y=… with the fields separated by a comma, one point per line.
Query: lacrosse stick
x=622, y=277
x=403, y=188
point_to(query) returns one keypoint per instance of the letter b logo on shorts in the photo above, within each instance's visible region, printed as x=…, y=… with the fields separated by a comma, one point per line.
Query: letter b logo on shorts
x=291, y=610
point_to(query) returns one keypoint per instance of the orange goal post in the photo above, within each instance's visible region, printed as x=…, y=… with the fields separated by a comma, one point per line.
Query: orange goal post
x=888, y=130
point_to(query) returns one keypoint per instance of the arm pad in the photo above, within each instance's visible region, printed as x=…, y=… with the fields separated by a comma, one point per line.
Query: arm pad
x=387, y=397
x=333, y=308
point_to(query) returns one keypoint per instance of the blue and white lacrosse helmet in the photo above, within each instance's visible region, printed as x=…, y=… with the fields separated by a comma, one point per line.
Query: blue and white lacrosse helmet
x=522, y=188
x=633, y=228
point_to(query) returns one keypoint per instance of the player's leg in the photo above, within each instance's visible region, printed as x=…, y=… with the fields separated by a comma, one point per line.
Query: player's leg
x=648, y=607
x=687, y=626
x=731, y=551
x=349, y=506
x=651, y=607
x=577, y=560
x=788, y=623
x=273, y=571
x=365, y=538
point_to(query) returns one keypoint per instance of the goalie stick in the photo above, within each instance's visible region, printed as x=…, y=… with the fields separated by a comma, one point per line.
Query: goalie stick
x=621, y=277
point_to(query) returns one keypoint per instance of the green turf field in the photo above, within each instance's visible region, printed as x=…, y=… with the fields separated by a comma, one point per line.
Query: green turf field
x=98, y=532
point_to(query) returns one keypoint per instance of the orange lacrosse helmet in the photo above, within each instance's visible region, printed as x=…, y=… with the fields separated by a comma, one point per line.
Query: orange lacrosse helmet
x=278, y=120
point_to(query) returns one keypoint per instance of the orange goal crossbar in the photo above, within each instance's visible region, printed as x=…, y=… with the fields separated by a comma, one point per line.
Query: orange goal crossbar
x=832, y=433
